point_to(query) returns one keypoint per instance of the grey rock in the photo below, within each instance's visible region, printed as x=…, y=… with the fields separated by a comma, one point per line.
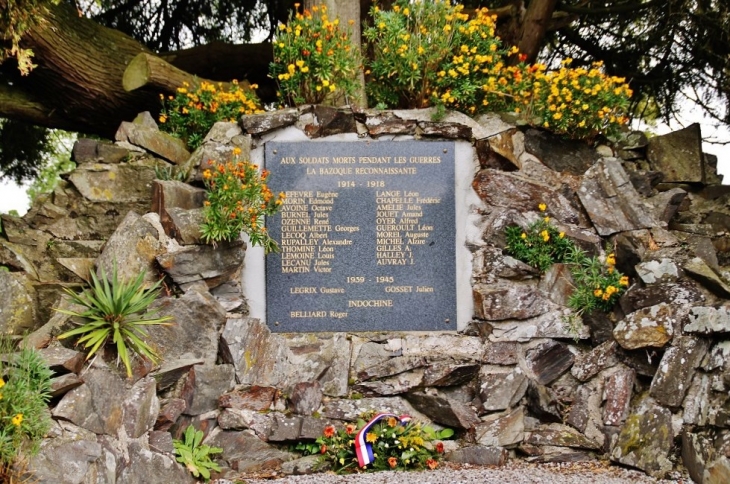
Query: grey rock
x=121, y=183
x=681, y=293
x=618, y=391
x=169, y=413
x=92, y=151
x=350, y=410
x=549, y=325
x=501, y=429
x=244, y=452
x=303, y=466
x=169, y=195
x=718, y=471
x=548, y=360
x=611, y=201
x=63, y=384
x=696, y=451
x=443, y=410
x=133, y=248
x=646, y=440
x=306, y=397
x=171, y=371
x=501, y=353
x=589, y=364
x=160, y=441
x=284, y=360
x=515, y=191
x=206, y=383
x=558, y=153
x=696, y=403
x=17, y=303
x=490, y=261
x=708, y=320
x=652, y=326
x=678, y=155
x=559, y=435
x=585, y=412
x=197, y=319
x=161, y=144
x=150, y=467
x=252, y=398
x=655, y=271
x=666, y=204
x=392, y=385
x=700, y=271
x=213, y=265
x=449, y=373
x=263, y=123
x=64, y=460
x=672, y=380
x=542, y=402
x=479, y=455
x=557, y=283
x=97, y=405
x=140, y=408
x=501, y=388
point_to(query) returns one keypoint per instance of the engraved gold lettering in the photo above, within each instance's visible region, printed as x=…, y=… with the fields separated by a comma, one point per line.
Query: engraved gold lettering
x=370, y=303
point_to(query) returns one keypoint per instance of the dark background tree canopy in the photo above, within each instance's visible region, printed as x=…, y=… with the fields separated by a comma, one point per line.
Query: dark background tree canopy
x=667, y=49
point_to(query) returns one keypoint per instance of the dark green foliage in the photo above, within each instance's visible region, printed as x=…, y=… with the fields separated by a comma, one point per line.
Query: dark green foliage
x=22, y=149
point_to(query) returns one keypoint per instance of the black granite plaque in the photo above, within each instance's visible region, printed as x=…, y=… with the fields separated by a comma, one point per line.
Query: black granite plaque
x=367, y=236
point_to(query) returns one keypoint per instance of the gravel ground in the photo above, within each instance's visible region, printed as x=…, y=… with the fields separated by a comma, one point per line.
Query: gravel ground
x=515, y=473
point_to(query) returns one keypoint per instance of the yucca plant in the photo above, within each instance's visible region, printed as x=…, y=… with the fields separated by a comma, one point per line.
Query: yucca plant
x=114, y=311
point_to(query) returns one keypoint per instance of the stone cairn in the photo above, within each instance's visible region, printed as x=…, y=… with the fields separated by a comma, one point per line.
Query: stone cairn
x=645, y=386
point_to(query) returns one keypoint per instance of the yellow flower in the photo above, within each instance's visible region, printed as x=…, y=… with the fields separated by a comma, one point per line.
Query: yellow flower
x=523, y=236
x=561, y=235
x=305, y=69
x=624, y=281
x=542, y=207
x=546, y=219
x=611, y=259
x=325, y=83
x=17, y=420
x=236, y=151
x=598, y=292
x=545, y=235
x=2, y=383
x=163, y=119
x=371, y=437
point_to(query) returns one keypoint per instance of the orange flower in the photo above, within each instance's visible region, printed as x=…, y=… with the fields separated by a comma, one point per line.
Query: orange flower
x=392, y=422
x=431, y=464
x=323, y=449
x=329, y=431
x=350, y=429
x=440, y=447
x=392, y=462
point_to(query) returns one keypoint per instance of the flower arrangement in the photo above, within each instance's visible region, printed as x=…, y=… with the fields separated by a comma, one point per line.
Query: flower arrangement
x=193, y=110
x=468, y=68
x=25, y=390
x=386, y=442
x=597, y=282
x=238, y=200
x=313, y=59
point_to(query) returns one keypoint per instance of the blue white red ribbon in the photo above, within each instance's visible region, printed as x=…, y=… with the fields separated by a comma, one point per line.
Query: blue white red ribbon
x=363, y=448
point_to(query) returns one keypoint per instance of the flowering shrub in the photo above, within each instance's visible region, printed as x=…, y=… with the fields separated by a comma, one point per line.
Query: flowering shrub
x=193, y=111
x=430, y=53
x=396, y=445
x=540, y=245
x=238, y=200
x=313, y=59
x=597, y=284
x=25, y=389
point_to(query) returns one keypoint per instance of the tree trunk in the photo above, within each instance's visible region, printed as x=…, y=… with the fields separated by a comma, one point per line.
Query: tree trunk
x=77, y=85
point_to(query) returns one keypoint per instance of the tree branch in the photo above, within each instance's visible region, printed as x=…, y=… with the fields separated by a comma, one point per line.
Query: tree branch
x=622, y=8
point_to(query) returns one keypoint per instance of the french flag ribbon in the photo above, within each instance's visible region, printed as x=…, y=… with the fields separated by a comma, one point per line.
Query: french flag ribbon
x=363, y=448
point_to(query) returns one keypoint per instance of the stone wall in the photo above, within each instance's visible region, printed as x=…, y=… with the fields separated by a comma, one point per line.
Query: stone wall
x=645, y=386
